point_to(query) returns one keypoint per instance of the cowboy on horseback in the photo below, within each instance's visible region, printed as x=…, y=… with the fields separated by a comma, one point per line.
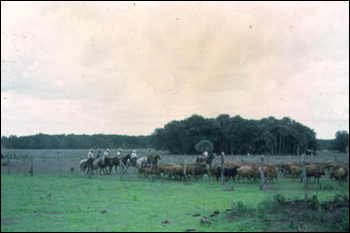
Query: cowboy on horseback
x=98, y=155
x=134, y=158
x=106, y=154
x=91, y=159
x=119, y=153
x=206, y=155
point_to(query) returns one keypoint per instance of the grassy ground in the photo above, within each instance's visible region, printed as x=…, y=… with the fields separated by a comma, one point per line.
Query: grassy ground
x=73, y=203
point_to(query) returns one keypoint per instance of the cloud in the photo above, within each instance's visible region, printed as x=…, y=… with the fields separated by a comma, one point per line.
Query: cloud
x=120, y=67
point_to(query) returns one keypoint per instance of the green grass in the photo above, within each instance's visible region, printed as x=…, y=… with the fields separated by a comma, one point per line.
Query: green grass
x=73, y=203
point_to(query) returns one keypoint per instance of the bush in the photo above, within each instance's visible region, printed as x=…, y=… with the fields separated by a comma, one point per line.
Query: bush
x=202, y=145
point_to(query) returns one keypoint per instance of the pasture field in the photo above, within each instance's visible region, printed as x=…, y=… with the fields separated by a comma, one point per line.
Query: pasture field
x=46, y=202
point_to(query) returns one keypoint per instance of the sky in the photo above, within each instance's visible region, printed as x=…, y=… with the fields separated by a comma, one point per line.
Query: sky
x=131, y=67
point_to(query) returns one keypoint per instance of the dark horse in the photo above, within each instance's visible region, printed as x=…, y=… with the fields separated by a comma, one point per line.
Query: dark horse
x=125, y=163
x=153, y=160
x=110, y=162
x=208, y=161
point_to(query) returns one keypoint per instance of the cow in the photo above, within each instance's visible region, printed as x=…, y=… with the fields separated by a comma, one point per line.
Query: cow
x=315, y=171
x=296, y=172
x=248, y=172
x=229, y=172
x=339, y=175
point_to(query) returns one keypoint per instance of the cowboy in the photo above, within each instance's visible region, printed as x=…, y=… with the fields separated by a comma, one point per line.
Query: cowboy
x=91, y=158
x=98, y=155
x=134, y=155
x=134, y=158
x=206, y=154
x=119, y=153
x=149, y=155
x=106, y=154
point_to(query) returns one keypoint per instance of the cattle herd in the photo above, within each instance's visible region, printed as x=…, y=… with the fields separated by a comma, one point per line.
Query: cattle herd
x=237, y=171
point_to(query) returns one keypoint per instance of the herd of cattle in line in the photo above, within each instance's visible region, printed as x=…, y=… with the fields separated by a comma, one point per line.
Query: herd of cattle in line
x=240, y=172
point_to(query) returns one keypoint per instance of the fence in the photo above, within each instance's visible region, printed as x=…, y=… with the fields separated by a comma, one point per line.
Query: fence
x=66, y=162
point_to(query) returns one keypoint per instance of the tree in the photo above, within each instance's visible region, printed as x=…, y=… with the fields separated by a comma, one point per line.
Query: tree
x=341, y=141
x=203, y=145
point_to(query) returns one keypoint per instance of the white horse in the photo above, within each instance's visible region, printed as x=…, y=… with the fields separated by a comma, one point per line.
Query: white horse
x=83, y=166
x=98, y=164
x=140, y=162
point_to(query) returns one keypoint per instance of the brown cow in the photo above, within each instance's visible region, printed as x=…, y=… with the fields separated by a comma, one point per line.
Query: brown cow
x=297, y=173
x=248, y=173
x=314, y=171
x=340, y=175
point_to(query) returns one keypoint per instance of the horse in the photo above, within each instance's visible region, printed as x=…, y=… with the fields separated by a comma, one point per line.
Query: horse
x=141, y=162
x=133, y=162
x=126, y=162
x=110, y=162
x=83, y=166
x=153, y=161
x=98, y=164
x=207, y=161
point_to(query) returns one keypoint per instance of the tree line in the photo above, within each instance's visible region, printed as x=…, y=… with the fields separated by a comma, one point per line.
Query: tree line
x=233, y=135
x=236, y=135
x=71, y=141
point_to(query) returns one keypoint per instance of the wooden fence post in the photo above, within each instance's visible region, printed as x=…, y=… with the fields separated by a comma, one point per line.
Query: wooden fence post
x=31, y=171
x=59, y=164
x=304, y=176
x=222, y=168
x=127, y=170
x=262, y=175
x=347, y=160
x=8, y=165
x=121, y=170
x=152, y=173
x=185, y=170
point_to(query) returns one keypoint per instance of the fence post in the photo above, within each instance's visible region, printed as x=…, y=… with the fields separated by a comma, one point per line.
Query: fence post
x=262, y=175
x=347, y=160
x=312, y=156
x=59, y=164
x=31, y=171
x=222, y=168
x=152, y=173
x=8, y=165
x=121, y=171
x=304, y=176
x=127, y=170
x=185, y=170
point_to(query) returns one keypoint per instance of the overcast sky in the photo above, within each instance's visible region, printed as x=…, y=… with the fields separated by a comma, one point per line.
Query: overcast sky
x=130, y=67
